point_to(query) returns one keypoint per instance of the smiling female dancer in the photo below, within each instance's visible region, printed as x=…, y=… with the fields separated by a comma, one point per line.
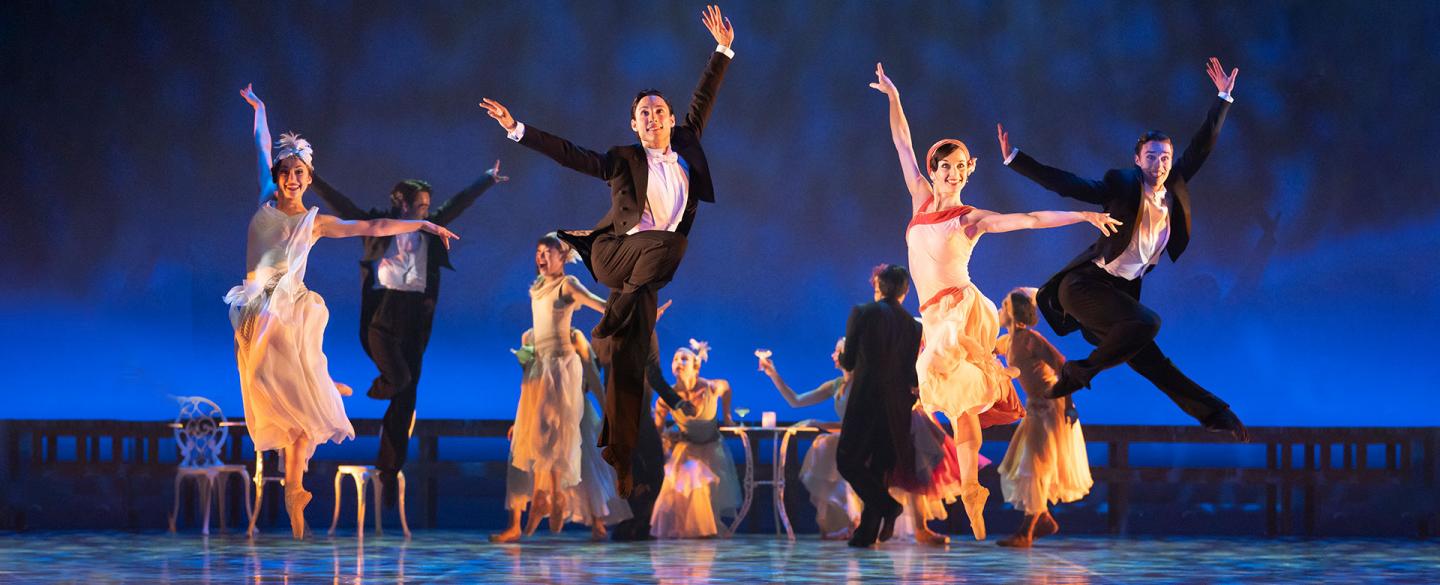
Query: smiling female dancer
x=291, y=403
x=959, y=373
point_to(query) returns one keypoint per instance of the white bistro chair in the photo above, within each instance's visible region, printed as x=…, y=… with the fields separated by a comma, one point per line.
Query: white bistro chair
x=369, y=476
x=201, y=432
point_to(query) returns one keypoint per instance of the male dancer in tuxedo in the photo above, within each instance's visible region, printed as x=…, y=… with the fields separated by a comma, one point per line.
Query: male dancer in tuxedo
x=400, y=282
x=1098, y=292
x=655, y=187
x=882, y=342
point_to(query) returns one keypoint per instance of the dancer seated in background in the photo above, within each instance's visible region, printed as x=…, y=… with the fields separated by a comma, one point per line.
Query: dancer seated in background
x=837, y=508
x=291, y=402
x=701, y=485
x=1046, y=462
x=959, y=373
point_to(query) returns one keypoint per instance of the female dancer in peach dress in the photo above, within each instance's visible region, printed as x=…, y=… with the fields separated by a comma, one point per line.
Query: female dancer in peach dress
x=959, y=373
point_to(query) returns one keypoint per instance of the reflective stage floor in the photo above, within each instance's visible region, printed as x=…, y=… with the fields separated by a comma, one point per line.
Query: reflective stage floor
x=466, y=557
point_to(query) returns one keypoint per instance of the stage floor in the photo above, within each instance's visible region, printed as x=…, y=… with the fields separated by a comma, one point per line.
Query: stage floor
x=466, y=557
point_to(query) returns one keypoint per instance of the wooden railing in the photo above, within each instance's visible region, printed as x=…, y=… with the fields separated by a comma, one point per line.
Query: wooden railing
x=1298, y=461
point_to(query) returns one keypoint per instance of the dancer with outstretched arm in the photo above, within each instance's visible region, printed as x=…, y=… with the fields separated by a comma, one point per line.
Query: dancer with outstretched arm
x=655, y=188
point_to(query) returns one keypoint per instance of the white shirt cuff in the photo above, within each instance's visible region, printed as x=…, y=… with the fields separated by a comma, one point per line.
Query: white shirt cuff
x=1011, y=156
x=726, y=50
x=517, y=133
x=1225, y=95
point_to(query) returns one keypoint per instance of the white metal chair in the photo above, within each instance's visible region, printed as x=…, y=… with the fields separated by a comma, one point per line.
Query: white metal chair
x=365, y=476
x=260, y=480
x=201, y=432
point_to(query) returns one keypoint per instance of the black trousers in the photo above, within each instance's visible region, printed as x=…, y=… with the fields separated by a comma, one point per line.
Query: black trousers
x=634, y=267
x=648, y=472
x=866, y=453
x=1123, y=332
x=397, y=335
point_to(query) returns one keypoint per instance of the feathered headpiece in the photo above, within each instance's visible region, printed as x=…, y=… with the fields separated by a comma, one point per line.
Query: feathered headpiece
x=291, y=144
x=701, y=349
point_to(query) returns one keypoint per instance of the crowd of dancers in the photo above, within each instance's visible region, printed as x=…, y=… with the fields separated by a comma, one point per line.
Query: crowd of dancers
x=890, y=469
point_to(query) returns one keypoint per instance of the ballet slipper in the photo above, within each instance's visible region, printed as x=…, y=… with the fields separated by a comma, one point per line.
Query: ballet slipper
x=511, y=534
x=1046, y=525
x=539, y=509
x=557, y=513
x=927, y=536
x=974, y=498
x=296, y=499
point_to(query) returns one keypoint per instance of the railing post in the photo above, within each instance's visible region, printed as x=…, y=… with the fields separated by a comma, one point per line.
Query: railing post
x=1119, y=489
x=1272, y=491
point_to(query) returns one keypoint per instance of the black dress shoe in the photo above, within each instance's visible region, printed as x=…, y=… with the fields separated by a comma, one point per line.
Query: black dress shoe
x=1068, y=384
x=868, y=530
x=379, y=390
x=887, y=521
x=1225, y=421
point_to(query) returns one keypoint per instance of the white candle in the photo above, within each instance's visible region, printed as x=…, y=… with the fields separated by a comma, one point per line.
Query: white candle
x=767, y=419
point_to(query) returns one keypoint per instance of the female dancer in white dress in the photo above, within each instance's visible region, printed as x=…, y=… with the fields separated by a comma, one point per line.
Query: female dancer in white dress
x=701, y=485
x=837, y=508
x=959, y=373
x=291, y=403
x=1046, y=462
x=549, y=443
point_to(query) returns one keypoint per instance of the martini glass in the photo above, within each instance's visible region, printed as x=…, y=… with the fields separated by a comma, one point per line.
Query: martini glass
x=740, y=413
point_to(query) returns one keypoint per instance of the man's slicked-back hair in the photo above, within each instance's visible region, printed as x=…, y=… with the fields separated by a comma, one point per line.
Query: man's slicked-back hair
x=1152, y=136
x=893, y=280
x=644, y=93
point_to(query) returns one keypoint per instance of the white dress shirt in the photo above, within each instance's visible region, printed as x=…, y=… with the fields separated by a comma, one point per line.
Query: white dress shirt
x=1147, y=243
x=403, y=265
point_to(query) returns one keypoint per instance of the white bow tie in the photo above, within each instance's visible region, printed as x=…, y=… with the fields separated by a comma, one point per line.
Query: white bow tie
x=663, y=157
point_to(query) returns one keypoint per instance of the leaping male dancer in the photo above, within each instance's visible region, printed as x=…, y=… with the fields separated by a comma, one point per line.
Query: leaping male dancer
x=655, y=187
x=1098, y=292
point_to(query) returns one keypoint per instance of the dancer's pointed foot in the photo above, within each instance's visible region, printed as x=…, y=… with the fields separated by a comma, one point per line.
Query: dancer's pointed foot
x=1046, y=525
x=597, y=530
x=974, y=498
x=557, y=513
x=923, y=535
x=539, y=509
x=296, y=498
x=511, y=534
x=1016, y=541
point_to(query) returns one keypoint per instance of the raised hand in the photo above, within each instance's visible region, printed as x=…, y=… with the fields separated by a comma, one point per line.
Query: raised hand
x=439, y=230
x=249, y=94
x=660, y=310
x=882, y=82
x=499, y=113
x=1004, y=137
x=495, y=173
x=718, y=25
x=1223, y=83
x=1103, y=222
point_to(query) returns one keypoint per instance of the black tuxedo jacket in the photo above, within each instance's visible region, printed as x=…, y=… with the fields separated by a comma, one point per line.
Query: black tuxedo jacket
x=437, y=255
x=626, y=169
x=1119, y=194
x=882, y=342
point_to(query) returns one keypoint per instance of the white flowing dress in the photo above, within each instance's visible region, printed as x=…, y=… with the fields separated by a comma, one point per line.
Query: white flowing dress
x=701, y=485
x=545, y=445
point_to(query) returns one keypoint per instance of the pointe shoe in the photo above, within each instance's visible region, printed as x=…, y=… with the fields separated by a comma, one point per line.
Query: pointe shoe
x=557, y=514
x=974, y=500
x=295, y=502
x=511, y=534
x=931, y=538
x=1045, y=526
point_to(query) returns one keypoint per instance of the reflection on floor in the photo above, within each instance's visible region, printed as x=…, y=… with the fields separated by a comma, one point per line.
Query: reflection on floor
x=466, y=557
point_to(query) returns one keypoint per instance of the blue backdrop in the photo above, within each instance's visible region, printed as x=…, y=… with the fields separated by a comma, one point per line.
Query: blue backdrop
x=129, y=182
